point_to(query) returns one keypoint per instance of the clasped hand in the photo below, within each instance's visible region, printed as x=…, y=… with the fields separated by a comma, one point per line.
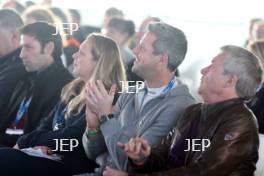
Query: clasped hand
x=98, y=102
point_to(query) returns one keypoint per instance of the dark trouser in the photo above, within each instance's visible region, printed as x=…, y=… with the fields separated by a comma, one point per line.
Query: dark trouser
x=90, y=174
x=15, y=162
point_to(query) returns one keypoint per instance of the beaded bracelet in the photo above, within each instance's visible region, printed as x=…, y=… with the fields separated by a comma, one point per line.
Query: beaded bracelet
x=92, y=132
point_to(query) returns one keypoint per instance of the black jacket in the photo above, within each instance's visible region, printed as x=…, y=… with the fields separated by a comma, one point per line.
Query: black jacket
x=11, y=71
x=45, y=87
x=256, y=105
x=55, y=126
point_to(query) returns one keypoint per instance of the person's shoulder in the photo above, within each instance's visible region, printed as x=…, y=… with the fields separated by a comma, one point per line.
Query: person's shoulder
x=181, y=94
x=180, y=89
x=61, y=71
x=11, y=58
x=239, y=114
x=238, y=110
x=193, y=108
x=190, y=113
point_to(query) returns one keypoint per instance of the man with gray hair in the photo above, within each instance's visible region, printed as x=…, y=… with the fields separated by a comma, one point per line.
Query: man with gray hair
x=219, y=137
x=150, y=112
x=11, y=67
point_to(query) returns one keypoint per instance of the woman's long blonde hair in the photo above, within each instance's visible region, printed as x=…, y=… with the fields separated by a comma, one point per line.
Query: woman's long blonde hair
x=109, y=69
x=257, y=48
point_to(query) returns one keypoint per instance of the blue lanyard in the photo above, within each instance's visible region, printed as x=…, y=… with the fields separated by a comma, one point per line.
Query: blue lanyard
x=166, y=89
x=59, y=119
x=23, y=107
x=170, y=85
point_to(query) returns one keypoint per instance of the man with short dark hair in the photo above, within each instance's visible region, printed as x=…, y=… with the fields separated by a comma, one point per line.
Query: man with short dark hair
x=34, y=97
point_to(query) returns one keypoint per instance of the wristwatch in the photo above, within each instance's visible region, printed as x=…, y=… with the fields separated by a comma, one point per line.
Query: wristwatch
x=104, y=118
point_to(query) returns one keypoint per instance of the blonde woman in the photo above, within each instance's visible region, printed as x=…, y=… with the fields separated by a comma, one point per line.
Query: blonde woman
x=257, y=48
x=97, y=59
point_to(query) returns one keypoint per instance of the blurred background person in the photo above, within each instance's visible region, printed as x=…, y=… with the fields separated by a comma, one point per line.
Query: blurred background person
x=144, y=27
x=11, y=67
x=80, y=34
x=12, y=4
x=110, y=13
x=121, y=30
x=250, y=30
x=258, y=31
x=71, y=44
x=36, y=13
x=47, y=2
x=29, y=3
x=257, y=103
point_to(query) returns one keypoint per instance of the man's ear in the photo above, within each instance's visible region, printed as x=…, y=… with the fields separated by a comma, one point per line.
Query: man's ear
x=15, y=38
x=164, y=58
x=231, y=81
x=49, y=48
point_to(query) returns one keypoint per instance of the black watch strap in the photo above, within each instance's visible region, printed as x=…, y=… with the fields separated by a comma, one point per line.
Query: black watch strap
x=104, y=118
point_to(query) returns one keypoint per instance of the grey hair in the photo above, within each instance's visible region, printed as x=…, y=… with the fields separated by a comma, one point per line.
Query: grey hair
x=171, y=41
x=10, y=20
x=246, y=66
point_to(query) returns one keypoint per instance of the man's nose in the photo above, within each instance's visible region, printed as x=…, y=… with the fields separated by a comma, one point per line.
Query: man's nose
x=136, y=50
x=204, y=70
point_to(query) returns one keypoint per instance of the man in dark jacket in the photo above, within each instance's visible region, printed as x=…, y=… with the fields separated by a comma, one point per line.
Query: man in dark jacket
x=256, y=105
x=11, y=67
x=35, y=96
x=217, y=138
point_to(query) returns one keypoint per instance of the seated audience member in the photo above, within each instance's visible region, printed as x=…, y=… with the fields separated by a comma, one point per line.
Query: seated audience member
x=13, y=4
x=29, y=3
x=120, y=30
x=11, y=66
x=71, y=44
x=37, y=13
x=258, y=30
x=97, y=59
x=257, y=103
x=83, y=30
x=78, y=34
x=150, y=113
x=250, y=31
x=34, y=97
x=110, y=13
x=223, y=119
